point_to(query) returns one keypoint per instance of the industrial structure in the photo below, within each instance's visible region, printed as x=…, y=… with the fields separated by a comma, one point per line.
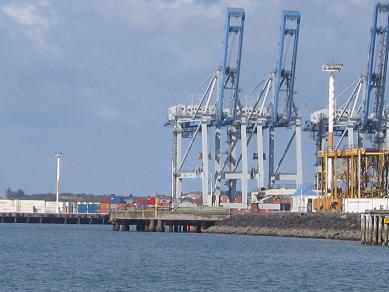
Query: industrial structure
x=358, y=167
x=220, y=124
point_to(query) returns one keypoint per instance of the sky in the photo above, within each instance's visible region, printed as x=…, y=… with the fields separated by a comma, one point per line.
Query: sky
x=94, y=80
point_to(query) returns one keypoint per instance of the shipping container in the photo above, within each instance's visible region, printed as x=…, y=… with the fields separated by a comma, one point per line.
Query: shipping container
x=85, y=207
x=151, y=201
x=6, y=203
x=7, y=209
x=105, y=200
x=105, y=207
x=36, y=203
x=50, y=210
x=26, y=209
x=117, y=200
x=93, y=208
x=361, y=205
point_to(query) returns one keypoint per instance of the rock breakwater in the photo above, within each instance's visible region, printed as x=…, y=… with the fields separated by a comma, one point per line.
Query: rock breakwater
x=311, y=225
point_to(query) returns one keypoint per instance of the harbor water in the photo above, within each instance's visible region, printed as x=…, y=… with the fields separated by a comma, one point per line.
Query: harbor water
x=45, y=257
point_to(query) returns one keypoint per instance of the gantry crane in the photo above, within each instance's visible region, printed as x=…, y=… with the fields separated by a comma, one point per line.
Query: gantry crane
x=209, y=113
x=357, y=114
x=274, y=108
x=360, y=168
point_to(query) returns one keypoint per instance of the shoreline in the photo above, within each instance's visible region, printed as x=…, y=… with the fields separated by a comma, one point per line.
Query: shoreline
x=315, y=226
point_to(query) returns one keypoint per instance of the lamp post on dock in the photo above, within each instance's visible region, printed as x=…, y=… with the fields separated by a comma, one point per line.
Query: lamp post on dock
x=331, y=69
x=58, y=155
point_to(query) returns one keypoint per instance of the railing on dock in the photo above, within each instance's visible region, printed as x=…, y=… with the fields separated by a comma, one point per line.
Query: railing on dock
x=374, y=228
x=59, y=218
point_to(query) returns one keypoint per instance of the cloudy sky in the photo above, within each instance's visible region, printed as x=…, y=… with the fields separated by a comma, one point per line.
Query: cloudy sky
x=94, y=79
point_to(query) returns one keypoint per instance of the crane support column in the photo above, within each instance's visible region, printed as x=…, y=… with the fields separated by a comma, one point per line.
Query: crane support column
x=299, y=158
x=261, y=171
x=271, y=156
x=218, y=167
x=178, y=163
x=350, y=135
x=232, y=161
x=205, y=176
x=244, y=179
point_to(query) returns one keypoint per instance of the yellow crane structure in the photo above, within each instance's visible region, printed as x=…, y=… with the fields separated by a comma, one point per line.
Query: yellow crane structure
x=356, y=173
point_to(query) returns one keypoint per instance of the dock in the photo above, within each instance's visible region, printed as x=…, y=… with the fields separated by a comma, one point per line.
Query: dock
x=56, y=218
x=374, y=227
x=179, y=220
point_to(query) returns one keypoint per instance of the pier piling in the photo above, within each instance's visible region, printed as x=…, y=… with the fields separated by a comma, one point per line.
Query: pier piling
x=374, y=228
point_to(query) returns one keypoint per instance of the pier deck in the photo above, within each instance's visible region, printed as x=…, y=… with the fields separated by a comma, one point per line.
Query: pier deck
x=179, y=220
x=59, y=218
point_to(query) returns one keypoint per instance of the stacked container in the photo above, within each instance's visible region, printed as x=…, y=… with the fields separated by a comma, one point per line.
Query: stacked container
x=88, y=208
x=117, y=203
x=105, y=205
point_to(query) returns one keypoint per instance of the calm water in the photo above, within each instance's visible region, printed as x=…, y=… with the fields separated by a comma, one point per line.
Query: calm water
x=93, y=258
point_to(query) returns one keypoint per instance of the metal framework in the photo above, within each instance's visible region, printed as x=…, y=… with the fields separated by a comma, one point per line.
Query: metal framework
x=359, y=168
x=359, y=173
x=220, y=117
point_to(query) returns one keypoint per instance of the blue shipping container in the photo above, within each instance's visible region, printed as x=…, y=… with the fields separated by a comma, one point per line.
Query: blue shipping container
x=82, y=208
x=117, y=200
x=93, y=207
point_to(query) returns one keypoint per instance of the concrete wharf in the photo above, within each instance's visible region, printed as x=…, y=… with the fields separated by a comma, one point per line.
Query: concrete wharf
x=58, y=218
x=374, y=227
x=177, y=220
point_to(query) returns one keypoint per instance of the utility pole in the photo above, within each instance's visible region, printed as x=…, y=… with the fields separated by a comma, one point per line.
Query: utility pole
x=58, y=155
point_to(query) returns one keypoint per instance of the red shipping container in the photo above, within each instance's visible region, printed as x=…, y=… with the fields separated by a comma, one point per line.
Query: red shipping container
x=140, y=201
x=151, y=201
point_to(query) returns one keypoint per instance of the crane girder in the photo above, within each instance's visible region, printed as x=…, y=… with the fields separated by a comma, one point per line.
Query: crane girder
x=377, y=66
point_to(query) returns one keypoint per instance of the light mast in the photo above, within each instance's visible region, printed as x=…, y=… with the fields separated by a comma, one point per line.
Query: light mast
x=331, y=69
x=58, y=155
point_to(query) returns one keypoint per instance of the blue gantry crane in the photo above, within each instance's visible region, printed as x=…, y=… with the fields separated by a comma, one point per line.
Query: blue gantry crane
x=217, y=110
x=364, y=112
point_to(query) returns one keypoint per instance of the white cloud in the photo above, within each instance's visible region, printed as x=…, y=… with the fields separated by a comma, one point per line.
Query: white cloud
x=106, y=112
x=27, y=15
x=28, y=20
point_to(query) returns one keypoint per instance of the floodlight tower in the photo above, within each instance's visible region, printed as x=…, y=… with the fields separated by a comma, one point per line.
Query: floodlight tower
x=331, y=69
x=58, y=155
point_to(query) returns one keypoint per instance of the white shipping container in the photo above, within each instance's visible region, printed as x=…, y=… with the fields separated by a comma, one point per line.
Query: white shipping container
x=6, y=203
x=7, y=209
x=273, y=207
x=361, y=205
x=39, y=209
x=54, y=204
x=36, y=203
x=50, y=210
x=26, y=209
